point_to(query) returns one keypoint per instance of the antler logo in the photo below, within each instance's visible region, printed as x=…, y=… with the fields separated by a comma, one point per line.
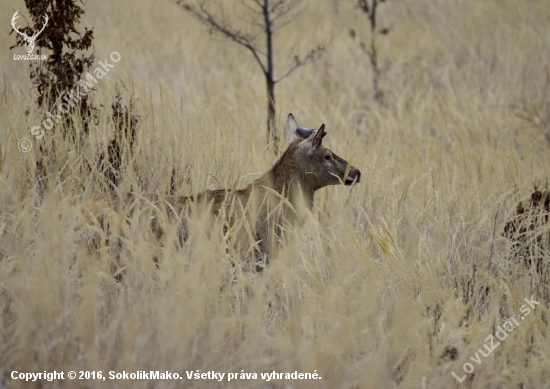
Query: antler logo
x=28, y=39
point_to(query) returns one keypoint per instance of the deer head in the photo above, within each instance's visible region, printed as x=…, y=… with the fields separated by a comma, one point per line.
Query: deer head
x=319, y=165
x=28, y=39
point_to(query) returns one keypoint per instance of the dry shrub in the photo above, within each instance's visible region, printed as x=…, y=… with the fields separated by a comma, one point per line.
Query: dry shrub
x=529, y=234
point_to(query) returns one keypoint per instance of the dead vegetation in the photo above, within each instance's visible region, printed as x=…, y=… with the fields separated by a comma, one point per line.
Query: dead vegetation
x=393, y=283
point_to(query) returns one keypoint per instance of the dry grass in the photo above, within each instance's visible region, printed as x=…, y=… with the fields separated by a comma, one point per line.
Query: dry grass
x=393, y=283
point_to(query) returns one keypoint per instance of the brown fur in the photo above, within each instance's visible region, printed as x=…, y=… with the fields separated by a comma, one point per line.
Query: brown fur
x=276, y=198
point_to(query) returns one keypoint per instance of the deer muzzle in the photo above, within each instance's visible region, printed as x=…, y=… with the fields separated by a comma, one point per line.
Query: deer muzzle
x=354, y=176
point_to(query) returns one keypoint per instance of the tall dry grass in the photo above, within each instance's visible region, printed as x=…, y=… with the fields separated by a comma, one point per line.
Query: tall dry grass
x=395, y=282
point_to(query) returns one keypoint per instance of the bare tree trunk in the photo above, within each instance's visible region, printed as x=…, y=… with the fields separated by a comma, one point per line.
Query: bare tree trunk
x=265, y=17
x=373, y=56
x=271, y=135
x=269, y=74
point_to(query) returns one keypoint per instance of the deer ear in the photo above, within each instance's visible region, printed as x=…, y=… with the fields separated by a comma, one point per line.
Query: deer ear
x=290, y=128
x=318, y=136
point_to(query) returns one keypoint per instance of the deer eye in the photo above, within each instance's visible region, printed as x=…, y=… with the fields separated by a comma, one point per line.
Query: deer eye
x=328, y=157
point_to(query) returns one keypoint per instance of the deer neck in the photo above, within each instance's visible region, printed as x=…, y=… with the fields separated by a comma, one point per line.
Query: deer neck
x=292, y=187
x=288, y=179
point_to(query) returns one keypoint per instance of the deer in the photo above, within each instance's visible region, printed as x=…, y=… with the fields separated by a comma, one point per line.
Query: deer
x=28, y=39
x=280, y=197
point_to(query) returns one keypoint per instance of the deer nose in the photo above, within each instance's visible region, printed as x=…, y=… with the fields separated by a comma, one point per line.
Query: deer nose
x=354, y=176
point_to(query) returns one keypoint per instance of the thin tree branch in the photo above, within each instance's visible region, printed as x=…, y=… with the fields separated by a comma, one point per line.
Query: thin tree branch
x=206, y=18
x=288, y=14
x=372, y=15
x=370, y=11
x=313, y=56
x=365, y=50
x=251, y=9
x=285, y=22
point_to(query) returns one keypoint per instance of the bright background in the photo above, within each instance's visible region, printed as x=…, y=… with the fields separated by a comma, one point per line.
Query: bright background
x=393, y=283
